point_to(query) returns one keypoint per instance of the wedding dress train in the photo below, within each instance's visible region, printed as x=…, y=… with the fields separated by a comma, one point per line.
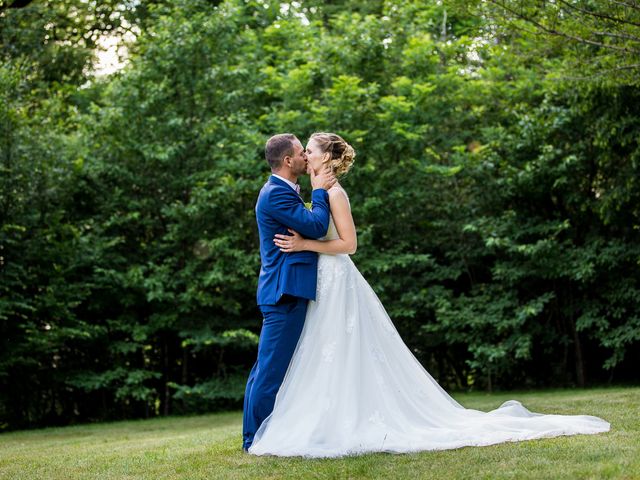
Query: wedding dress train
x=353, y=387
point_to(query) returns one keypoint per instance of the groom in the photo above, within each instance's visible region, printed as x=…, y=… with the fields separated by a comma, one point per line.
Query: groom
x=287, y=280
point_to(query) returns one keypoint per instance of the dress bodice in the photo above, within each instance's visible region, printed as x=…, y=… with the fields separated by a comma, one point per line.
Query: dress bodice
x=332, y=232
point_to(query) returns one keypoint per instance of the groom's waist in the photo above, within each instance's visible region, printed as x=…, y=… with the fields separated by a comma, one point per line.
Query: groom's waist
x=271, y=262
x=300, y=257
x=295, y=276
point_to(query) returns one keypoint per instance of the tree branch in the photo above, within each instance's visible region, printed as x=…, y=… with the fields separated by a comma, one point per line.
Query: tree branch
x=563, y=34
x=601, y=73
x=634, y=5
x=619, y=35
x=599, y=15
x=15, y=4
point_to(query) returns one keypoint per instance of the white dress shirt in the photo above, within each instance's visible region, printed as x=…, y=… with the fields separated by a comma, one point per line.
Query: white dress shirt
x=295, y=186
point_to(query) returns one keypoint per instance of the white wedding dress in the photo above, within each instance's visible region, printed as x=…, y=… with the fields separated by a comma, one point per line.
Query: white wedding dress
x=354, y=387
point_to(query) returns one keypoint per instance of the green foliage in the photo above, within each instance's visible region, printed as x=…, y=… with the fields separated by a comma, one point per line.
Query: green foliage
x=598, y=41
x=210, y=395
x=496, y=197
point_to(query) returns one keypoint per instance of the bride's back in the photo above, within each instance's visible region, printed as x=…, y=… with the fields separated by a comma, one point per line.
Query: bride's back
x=332, y=232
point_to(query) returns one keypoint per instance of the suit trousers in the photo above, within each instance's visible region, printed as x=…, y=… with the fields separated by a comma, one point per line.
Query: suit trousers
x=281, y=328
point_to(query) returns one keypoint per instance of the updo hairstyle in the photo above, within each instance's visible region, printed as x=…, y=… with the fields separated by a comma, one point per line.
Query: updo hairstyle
x=341, y=153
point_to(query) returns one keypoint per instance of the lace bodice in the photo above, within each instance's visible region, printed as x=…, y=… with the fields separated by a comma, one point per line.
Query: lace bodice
x=332, y=232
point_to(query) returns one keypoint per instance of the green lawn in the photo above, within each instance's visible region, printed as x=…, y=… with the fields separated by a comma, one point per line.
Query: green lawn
x=208, y=446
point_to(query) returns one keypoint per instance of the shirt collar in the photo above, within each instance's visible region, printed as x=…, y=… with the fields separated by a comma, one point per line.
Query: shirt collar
x=288, y=182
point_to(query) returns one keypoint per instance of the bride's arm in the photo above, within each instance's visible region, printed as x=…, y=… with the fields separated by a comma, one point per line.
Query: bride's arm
x=341, y=213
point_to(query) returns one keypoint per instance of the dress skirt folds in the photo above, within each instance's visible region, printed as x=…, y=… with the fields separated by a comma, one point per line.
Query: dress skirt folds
x=354, y=387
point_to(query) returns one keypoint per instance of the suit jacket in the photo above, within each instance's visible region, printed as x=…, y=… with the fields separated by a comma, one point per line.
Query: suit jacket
x=278, y=208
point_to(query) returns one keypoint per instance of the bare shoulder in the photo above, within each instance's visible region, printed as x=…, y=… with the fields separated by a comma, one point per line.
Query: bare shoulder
x=338, y=200
x=337, y=192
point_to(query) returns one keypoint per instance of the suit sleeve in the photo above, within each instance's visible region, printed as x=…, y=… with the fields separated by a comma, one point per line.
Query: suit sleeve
x=287, y=208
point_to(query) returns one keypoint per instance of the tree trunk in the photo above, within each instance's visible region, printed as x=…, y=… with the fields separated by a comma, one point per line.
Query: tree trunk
x=580, y=377
x=185, y=370
x=165, y=355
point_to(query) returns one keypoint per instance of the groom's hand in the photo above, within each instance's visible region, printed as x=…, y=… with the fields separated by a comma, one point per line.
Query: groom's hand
x=324, y=179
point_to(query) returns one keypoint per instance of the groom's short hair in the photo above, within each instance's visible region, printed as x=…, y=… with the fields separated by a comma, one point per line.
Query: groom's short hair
x=278, y=147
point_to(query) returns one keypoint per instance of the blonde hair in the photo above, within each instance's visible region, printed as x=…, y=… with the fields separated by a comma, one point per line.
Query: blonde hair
x=341, y=153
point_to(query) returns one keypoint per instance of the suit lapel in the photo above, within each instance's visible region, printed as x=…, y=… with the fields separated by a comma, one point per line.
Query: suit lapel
x=276, y=181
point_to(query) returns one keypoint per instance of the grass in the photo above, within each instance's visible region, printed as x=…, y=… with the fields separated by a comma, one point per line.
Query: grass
x=208, y=447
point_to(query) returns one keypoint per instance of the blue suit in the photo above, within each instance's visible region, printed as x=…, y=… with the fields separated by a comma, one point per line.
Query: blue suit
x=287, y=281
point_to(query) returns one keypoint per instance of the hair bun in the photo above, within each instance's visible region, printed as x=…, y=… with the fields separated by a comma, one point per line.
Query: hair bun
x=346, y=160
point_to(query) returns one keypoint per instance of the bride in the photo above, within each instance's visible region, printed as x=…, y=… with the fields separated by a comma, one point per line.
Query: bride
x=352, y=385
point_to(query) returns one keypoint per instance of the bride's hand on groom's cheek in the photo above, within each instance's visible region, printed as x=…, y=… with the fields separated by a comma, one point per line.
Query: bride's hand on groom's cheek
x=289, y=243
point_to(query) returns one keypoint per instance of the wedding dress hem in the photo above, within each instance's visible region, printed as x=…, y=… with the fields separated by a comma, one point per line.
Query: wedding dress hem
x=353, y=387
